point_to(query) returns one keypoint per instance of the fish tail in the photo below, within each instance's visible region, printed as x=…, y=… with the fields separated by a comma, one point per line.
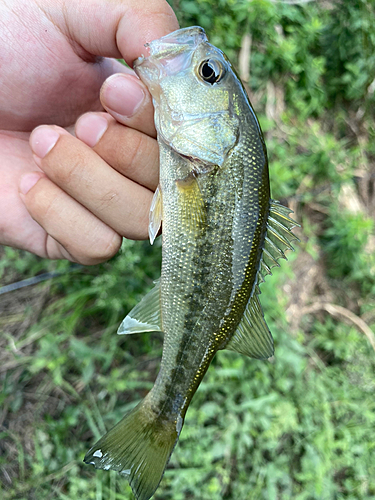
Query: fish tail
x=139, y=446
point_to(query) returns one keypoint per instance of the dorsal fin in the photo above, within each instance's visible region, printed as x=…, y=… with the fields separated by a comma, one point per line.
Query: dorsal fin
x=145, y=316
x=252, y=336
x=278, y=239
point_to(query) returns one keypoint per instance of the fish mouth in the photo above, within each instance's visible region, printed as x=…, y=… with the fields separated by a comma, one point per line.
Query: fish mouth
x=177, y=41
x=173, y=44
x=168, y=55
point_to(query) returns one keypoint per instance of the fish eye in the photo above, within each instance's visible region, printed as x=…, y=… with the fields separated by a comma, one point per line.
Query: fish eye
x=211, y=71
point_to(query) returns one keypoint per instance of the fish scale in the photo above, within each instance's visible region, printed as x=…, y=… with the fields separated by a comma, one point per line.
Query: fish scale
x=221, y=236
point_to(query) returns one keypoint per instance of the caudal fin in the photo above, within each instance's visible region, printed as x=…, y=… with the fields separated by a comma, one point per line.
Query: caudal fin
x=139, y=446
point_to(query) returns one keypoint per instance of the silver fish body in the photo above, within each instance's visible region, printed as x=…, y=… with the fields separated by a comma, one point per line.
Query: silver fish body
x=221, y=235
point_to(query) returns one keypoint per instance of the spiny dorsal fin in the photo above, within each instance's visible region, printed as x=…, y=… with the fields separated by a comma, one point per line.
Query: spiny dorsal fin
x=252, y=336
x=145, y=316
x=156, y=215
x=278, y=239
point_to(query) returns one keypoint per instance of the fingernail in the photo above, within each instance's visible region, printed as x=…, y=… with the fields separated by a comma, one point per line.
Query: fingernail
x=42, y=140
x=122, y=94
x=28, y=181
x=90, y=128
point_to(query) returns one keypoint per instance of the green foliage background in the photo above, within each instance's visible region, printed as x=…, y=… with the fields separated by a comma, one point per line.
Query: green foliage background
x=301, y=426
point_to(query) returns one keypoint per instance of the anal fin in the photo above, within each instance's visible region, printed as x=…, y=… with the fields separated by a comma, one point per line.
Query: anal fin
x=252, y=336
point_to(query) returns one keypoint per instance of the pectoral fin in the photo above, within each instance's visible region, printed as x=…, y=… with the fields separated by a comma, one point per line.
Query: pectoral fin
x=145, y=316
x=190, y=202
x=156, y=215
x=252, y=336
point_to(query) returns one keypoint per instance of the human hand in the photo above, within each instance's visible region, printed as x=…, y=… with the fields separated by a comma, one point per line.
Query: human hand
x=82, y=204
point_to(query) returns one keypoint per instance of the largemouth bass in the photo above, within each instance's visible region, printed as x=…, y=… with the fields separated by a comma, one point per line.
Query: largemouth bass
x=221, y=235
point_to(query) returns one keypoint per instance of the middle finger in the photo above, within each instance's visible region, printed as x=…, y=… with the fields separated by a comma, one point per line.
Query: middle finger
x=116, y=200
x=130, y=152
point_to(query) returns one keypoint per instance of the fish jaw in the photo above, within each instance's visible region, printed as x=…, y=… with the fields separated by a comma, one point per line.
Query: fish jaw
x=169, y=54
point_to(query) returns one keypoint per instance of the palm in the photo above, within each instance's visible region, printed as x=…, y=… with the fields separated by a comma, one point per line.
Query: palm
x=55, y=83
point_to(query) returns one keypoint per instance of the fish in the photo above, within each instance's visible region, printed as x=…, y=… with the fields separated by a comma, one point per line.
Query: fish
x=221, y=235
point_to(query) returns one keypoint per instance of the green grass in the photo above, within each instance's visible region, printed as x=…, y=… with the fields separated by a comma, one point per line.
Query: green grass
x=301, y=426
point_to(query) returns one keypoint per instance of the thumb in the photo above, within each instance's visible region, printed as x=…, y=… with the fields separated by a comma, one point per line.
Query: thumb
x=113, y=28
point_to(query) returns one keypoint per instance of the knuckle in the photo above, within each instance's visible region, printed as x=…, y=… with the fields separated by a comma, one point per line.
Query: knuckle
x=107, y=200
x=70, y=171
x=54, y=249
x=112, y=246
x=102, y=250
x=135, y=148
x=41, y=202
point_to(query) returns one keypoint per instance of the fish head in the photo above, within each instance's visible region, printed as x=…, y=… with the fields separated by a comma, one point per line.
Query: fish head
x=195, y=94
